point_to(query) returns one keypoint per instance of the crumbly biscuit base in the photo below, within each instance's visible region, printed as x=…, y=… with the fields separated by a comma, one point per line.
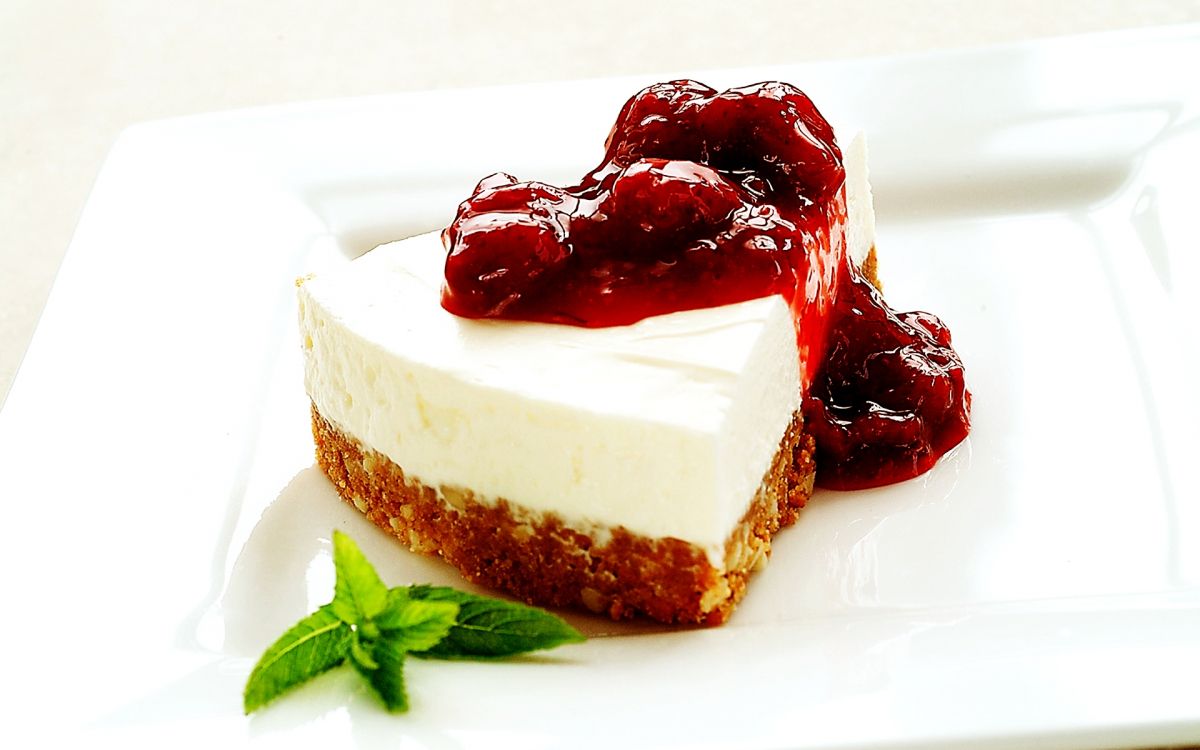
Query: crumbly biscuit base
x=541, y=559
x=870, y=269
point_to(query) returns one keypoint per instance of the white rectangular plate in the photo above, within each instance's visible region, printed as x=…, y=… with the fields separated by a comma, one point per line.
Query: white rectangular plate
x=1039, y=587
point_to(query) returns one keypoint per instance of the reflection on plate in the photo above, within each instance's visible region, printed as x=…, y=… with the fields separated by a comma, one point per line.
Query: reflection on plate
x=1038, y=587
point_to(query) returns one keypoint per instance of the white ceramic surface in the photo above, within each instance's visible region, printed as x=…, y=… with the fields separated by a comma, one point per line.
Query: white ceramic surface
x=1038, y=588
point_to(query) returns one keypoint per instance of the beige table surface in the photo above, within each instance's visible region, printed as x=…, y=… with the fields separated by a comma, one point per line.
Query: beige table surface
x=74, y=73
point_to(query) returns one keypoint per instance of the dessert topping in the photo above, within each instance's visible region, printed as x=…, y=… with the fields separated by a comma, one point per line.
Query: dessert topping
x=703, y=199
x=707, y=198
x=890, y=398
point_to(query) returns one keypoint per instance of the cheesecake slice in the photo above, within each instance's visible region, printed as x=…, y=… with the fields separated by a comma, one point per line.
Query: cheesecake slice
x=625, y=469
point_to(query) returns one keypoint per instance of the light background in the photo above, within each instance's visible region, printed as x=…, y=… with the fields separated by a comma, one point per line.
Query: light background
x=74, y=73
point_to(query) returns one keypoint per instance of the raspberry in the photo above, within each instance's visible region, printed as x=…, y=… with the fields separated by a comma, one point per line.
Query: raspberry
x=498, y=258
x=774, y=128
x=890, y=398
x=657, y=122
x=661, y=201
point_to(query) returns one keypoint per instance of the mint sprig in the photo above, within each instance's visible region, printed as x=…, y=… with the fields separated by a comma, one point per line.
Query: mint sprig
x=358, y=592
x=375, y=628
x=314, y=645
x=492, y=628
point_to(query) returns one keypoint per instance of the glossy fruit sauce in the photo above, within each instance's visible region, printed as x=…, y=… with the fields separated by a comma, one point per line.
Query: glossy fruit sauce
x=708, y=198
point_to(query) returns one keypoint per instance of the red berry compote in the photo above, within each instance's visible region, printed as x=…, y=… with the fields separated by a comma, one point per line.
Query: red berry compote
x=707, y=198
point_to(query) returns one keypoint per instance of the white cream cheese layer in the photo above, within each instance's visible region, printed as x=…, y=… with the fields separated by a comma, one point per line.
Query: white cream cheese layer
x=665, y=427
x=860, y=207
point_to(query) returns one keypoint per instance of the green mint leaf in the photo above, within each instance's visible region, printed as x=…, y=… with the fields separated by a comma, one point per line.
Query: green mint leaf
x=387, y=677
x=373, y=627
x=415, y=624
x=358, y=594
x=314, y=645
x=492, y=628
x=360, y=653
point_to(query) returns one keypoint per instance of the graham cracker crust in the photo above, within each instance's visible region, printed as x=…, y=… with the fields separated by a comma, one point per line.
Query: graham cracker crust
x=870, y=269
x=540, y=559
